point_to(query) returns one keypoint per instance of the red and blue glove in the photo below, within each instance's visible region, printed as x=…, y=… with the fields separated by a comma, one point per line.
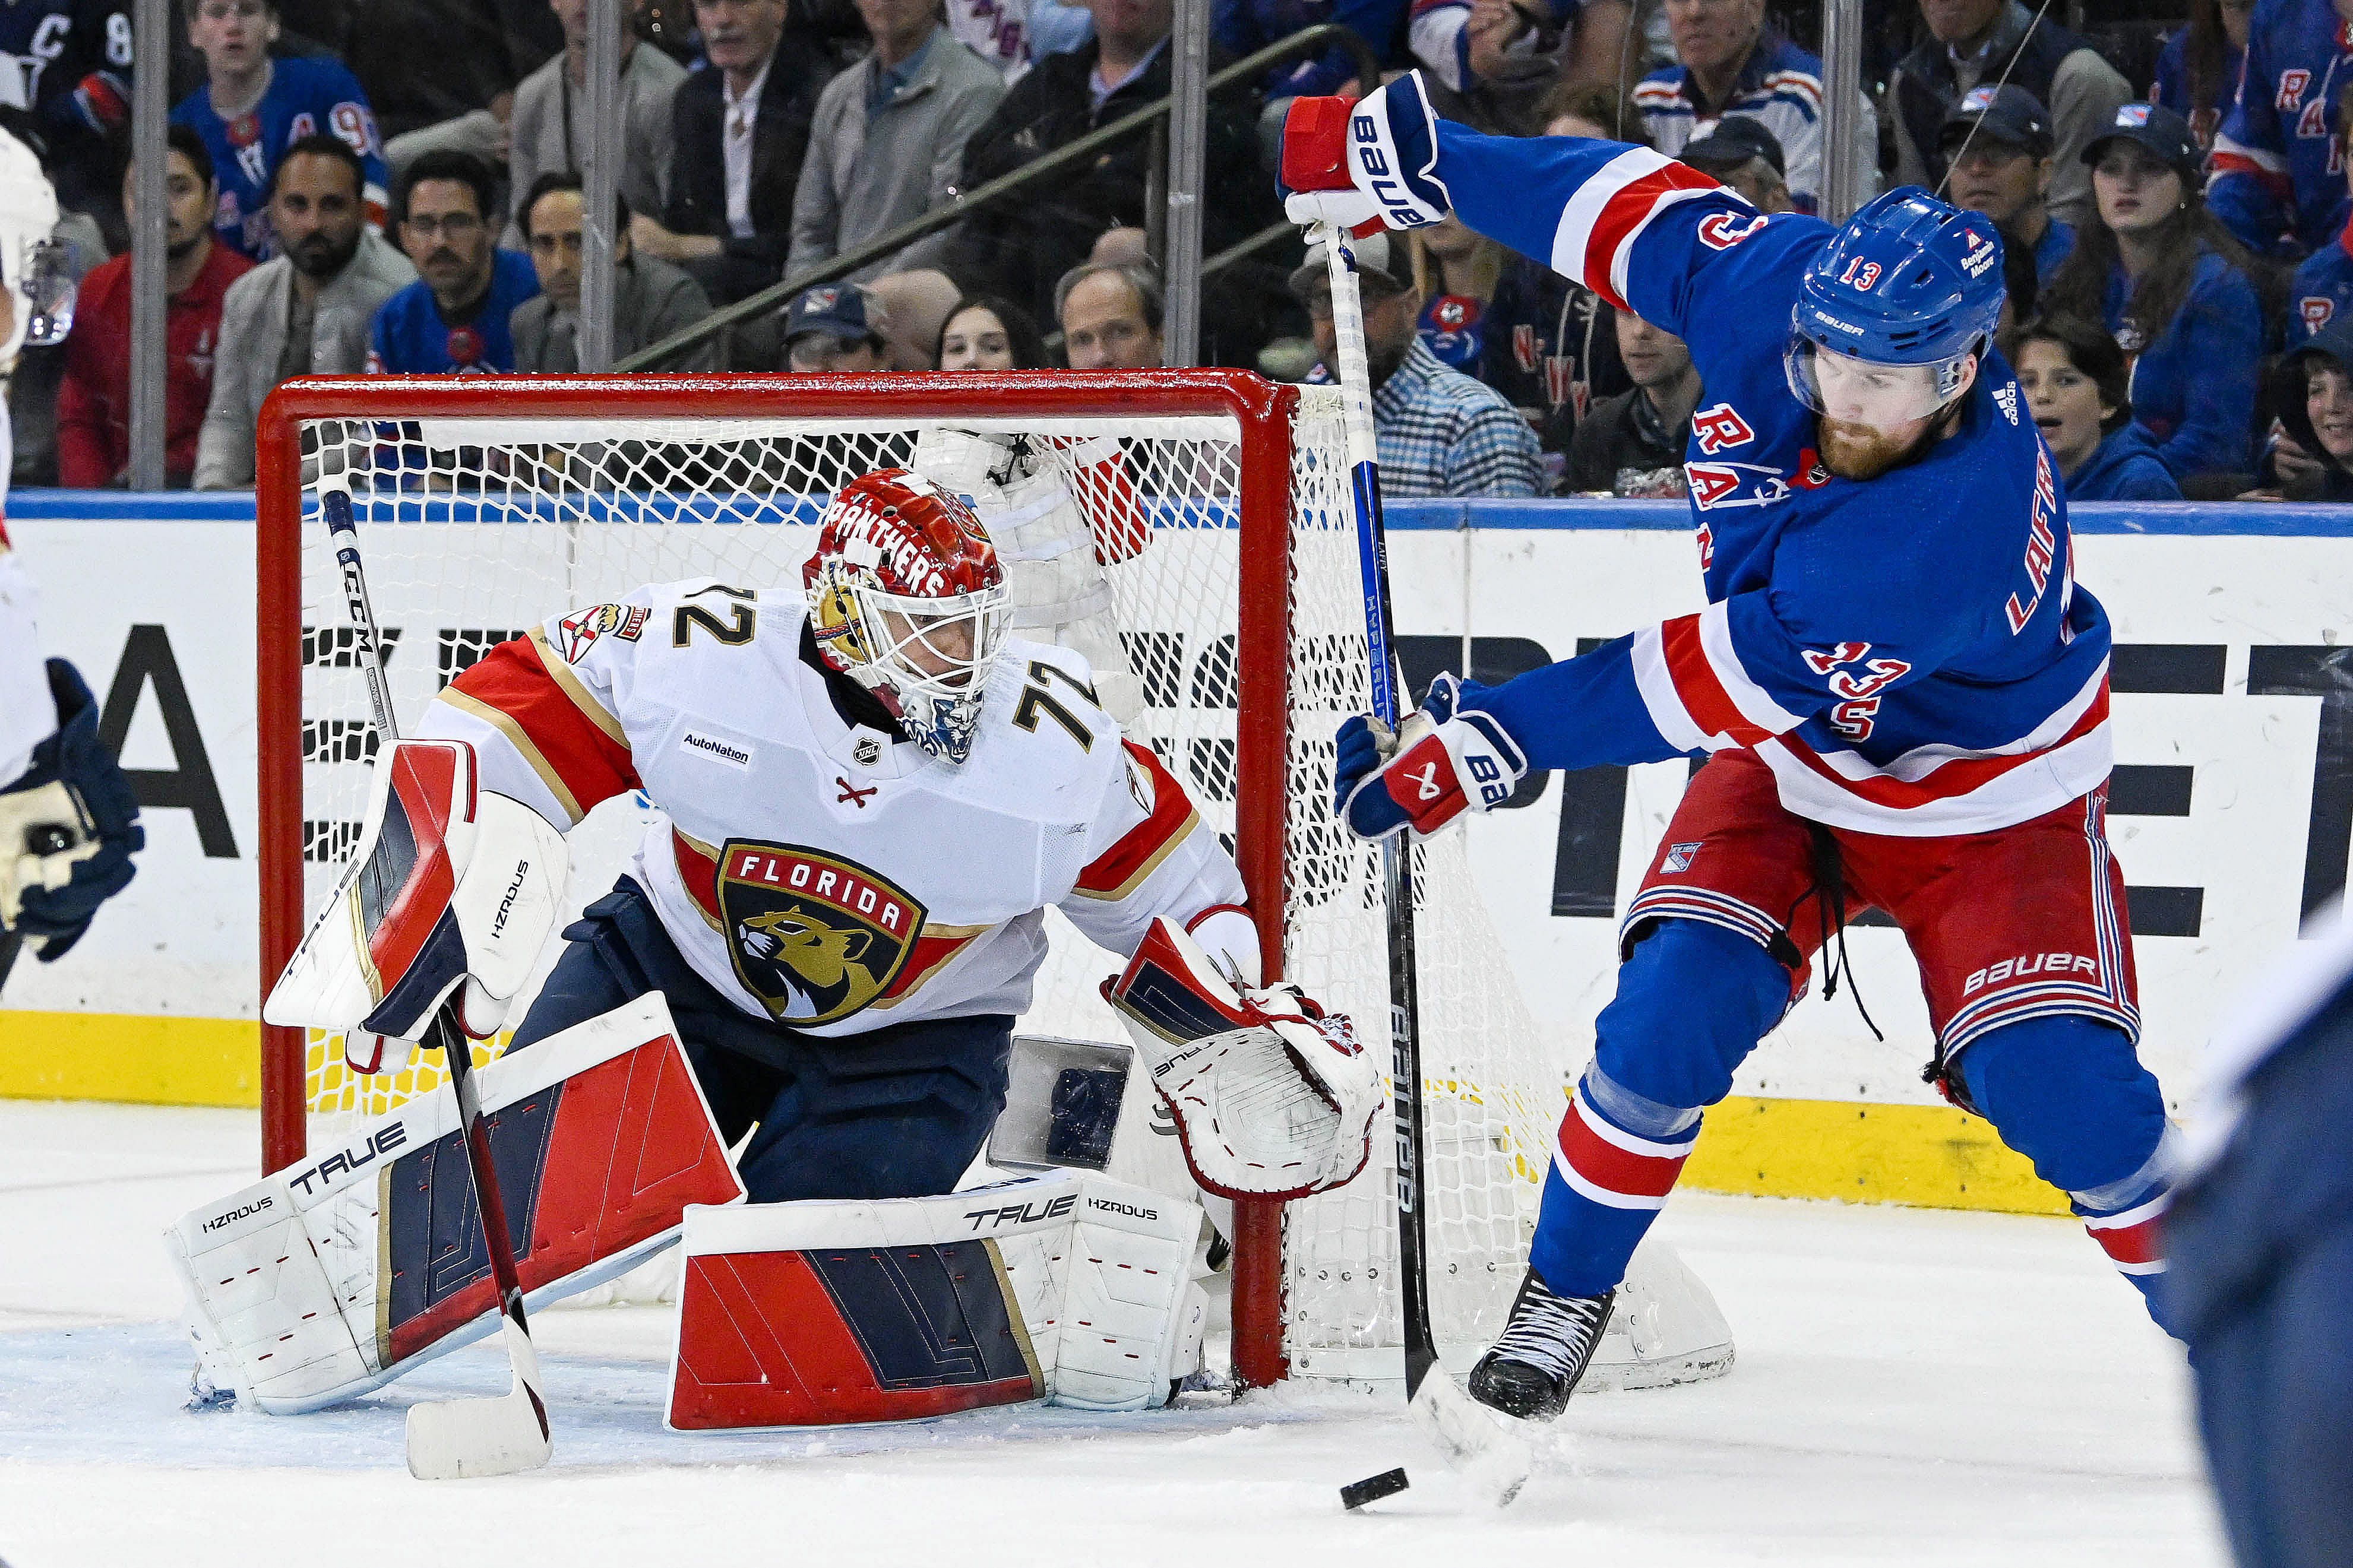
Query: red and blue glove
x=1373, y=161
x=1437, y=765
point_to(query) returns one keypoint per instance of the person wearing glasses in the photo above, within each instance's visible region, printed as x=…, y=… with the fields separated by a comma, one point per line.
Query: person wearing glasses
x=454, y=316
x=253, y=106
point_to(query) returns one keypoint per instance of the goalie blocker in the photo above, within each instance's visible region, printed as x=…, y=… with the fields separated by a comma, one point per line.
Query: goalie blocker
x=1068, y=1287
x=334, y=1276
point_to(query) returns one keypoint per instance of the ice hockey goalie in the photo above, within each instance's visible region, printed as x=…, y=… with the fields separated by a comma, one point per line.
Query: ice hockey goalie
x=871, y=792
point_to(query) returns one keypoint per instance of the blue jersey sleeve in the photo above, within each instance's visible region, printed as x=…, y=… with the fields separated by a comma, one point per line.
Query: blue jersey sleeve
x=2219, y=343
x=2250, y=181
x=343, y=106
x=1644, y=232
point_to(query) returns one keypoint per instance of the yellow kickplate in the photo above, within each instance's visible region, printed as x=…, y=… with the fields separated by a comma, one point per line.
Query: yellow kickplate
x=1932, y=1156
x=136, y=1057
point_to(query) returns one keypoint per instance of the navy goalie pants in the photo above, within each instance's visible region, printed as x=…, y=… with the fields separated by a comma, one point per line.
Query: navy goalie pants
x=899, y=1113
x=2261, y=1288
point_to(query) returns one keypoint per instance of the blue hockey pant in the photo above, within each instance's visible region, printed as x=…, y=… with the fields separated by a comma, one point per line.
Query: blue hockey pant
x=894, y=1113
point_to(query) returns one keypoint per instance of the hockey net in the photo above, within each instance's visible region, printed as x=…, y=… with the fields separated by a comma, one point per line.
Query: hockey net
x=485, y=506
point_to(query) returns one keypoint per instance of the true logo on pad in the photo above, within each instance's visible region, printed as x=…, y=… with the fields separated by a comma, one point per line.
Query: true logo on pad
x=815, y=937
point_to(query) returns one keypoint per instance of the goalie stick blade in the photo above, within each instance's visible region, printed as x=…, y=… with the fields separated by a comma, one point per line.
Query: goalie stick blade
x=459, y=1439
x=1492, y=1459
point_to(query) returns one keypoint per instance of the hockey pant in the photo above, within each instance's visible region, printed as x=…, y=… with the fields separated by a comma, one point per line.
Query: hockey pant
x=899, y=1113
x=2261, y=1288
x=1692, y=1001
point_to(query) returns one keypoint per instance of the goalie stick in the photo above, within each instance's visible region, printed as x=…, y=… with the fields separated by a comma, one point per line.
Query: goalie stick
x=453, y=1439
x=1495, y=1460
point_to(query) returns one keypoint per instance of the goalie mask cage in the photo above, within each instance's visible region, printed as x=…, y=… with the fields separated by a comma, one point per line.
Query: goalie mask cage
x=486, y=505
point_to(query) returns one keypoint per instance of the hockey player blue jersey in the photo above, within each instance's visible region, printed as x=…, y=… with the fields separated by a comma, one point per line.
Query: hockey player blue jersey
x=1909, y=654
x=306, y=96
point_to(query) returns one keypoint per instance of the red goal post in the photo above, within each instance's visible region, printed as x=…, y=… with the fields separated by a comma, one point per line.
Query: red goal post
x=1264, y=415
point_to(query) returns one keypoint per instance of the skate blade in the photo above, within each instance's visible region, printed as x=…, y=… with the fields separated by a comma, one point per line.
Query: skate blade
x=1492, y=1459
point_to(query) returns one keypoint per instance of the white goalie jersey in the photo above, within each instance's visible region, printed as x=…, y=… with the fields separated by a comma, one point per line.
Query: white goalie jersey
x=823, y=872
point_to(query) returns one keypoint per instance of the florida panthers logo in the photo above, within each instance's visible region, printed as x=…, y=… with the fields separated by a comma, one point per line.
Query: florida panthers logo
x=815, y=937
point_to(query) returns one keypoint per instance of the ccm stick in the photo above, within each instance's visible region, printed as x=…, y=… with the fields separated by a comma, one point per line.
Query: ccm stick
x=1492, y=1458
x=454, y=1438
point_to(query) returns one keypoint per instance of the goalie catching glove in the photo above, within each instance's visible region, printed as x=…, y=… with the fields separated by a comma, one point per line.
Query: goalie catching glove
x=451, y=884
x=1436, y=765
x=1272, y=1097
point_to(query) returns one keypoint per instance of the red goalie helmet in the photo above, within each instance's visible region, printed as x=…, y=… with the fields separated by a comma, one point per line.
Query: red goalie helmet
x=908, y=599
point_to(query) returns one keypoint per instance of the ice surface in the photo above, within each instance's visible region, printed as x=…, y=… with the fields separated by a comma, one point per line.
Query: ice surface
x=1913, y=1387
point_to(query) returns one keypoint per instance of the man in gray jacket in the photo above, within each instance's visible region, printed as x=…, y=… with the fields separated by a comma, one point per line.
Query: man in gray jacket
x=306, y=313
x=889, y=138
x=651, y=299
x=549, y=129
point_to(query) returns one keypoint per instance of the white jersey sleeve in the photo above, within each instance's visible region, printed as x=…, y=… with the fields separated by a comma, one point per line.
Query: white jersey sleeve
x=1154, y=856
x=28, y=714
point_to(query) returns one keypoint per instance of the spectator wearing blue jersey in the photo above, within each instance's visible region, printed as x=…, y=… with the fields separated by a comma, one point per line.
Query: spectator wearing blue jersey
x=2321, y=422
x=1998, y=145
x=1245, y=26
x=2077, y=392
x=253, y=106
x=2198, y=73
x=1454, y=274
x=2323, y=285
x=2275, y=182
x=2175, y=289
x=456, y=315
x=1732, y=63
x=1439, y=432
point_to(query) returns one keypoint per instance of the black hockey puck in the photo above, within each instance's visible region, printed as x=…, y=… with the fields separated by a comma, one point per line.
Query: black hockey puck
x=1372, y=1489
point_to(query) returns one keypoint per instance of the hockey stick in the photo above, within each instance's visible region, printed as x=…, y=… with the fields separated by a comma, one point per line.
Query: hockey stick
x=1493, y=1459
x=454, y=1438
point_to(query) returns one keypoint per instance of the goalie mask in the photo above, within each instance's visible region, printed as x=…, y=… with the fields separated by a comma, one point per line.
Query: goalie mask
x=907, y=598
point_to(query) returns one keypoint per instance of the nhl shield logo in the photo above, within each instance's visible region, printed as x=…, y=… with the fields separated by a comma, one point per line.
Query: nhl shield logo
x=815, y=937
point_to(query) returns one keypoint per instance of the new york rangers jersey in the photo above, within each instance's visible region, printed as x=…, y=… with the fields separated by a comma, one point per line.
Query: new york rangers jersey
x=1909, y=654
x=2275, y=164
x=306, y=96
x=817, y=871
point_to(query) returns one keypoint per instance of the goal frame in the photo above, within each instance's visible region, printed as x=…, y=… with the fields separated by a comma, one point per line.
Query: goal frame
x=1264, y=412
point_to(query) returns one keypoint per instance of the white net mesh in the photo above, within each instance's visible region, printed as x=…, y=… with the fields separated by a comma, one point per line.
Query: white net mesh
x=474, y=530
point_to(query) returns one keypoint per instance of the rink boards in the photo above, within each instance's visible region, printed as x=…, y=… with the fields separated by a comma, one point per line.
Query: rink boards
x=2232, y=807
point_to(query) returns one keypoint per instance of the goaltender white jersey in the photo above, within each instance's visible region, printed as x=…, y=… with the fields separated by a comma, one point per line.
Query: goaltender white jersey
x=822, y=873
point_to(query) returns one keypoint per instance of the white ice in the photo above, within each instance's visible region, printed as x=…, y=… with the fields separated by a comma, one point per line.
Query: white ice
x=1913, y=1387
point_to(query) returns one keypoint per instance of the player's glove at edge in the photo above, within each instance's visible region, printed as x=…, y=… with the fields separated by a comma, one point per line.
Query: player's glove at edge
x=1375, y=160
x=1437, y=765
x=449, y=885
x=68, y=827
x=1272, y=1097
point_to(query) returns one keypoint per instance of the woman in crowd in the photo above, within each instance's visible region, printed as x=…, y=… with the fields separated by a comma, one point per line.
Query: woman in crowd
x=2075, y=379
x=2173, y=287
x=1548, y=343
x=2199, y=71
x=986, y=332
x=1456, y=272
x=2323, y=423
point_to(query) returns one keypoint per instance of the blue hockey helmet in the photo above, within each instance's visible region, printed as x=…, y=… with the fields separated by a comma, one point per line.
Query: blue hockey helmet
x=1909, y=280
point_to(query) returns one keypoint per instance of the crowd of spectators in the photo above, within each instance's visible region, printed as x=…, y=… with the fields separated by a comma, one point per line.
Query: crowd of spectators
x=395, y=186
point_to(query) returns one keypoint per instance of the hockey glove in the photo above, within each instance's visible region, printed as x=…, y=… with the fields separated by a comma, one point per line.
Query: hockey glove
x=1439, y=765
x=449, y=885
x=68, y=828
x=1272, y=1097
x=1378, y=158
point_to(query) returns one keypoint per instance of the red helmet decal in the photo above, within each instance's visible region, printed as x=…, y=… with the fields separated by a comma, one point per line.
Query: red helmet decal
x=916, y=540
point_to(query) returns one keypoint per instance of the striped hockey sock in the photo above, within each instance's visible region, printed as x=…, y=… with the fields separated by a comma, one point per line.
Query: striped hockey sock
x=1605, y=1185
